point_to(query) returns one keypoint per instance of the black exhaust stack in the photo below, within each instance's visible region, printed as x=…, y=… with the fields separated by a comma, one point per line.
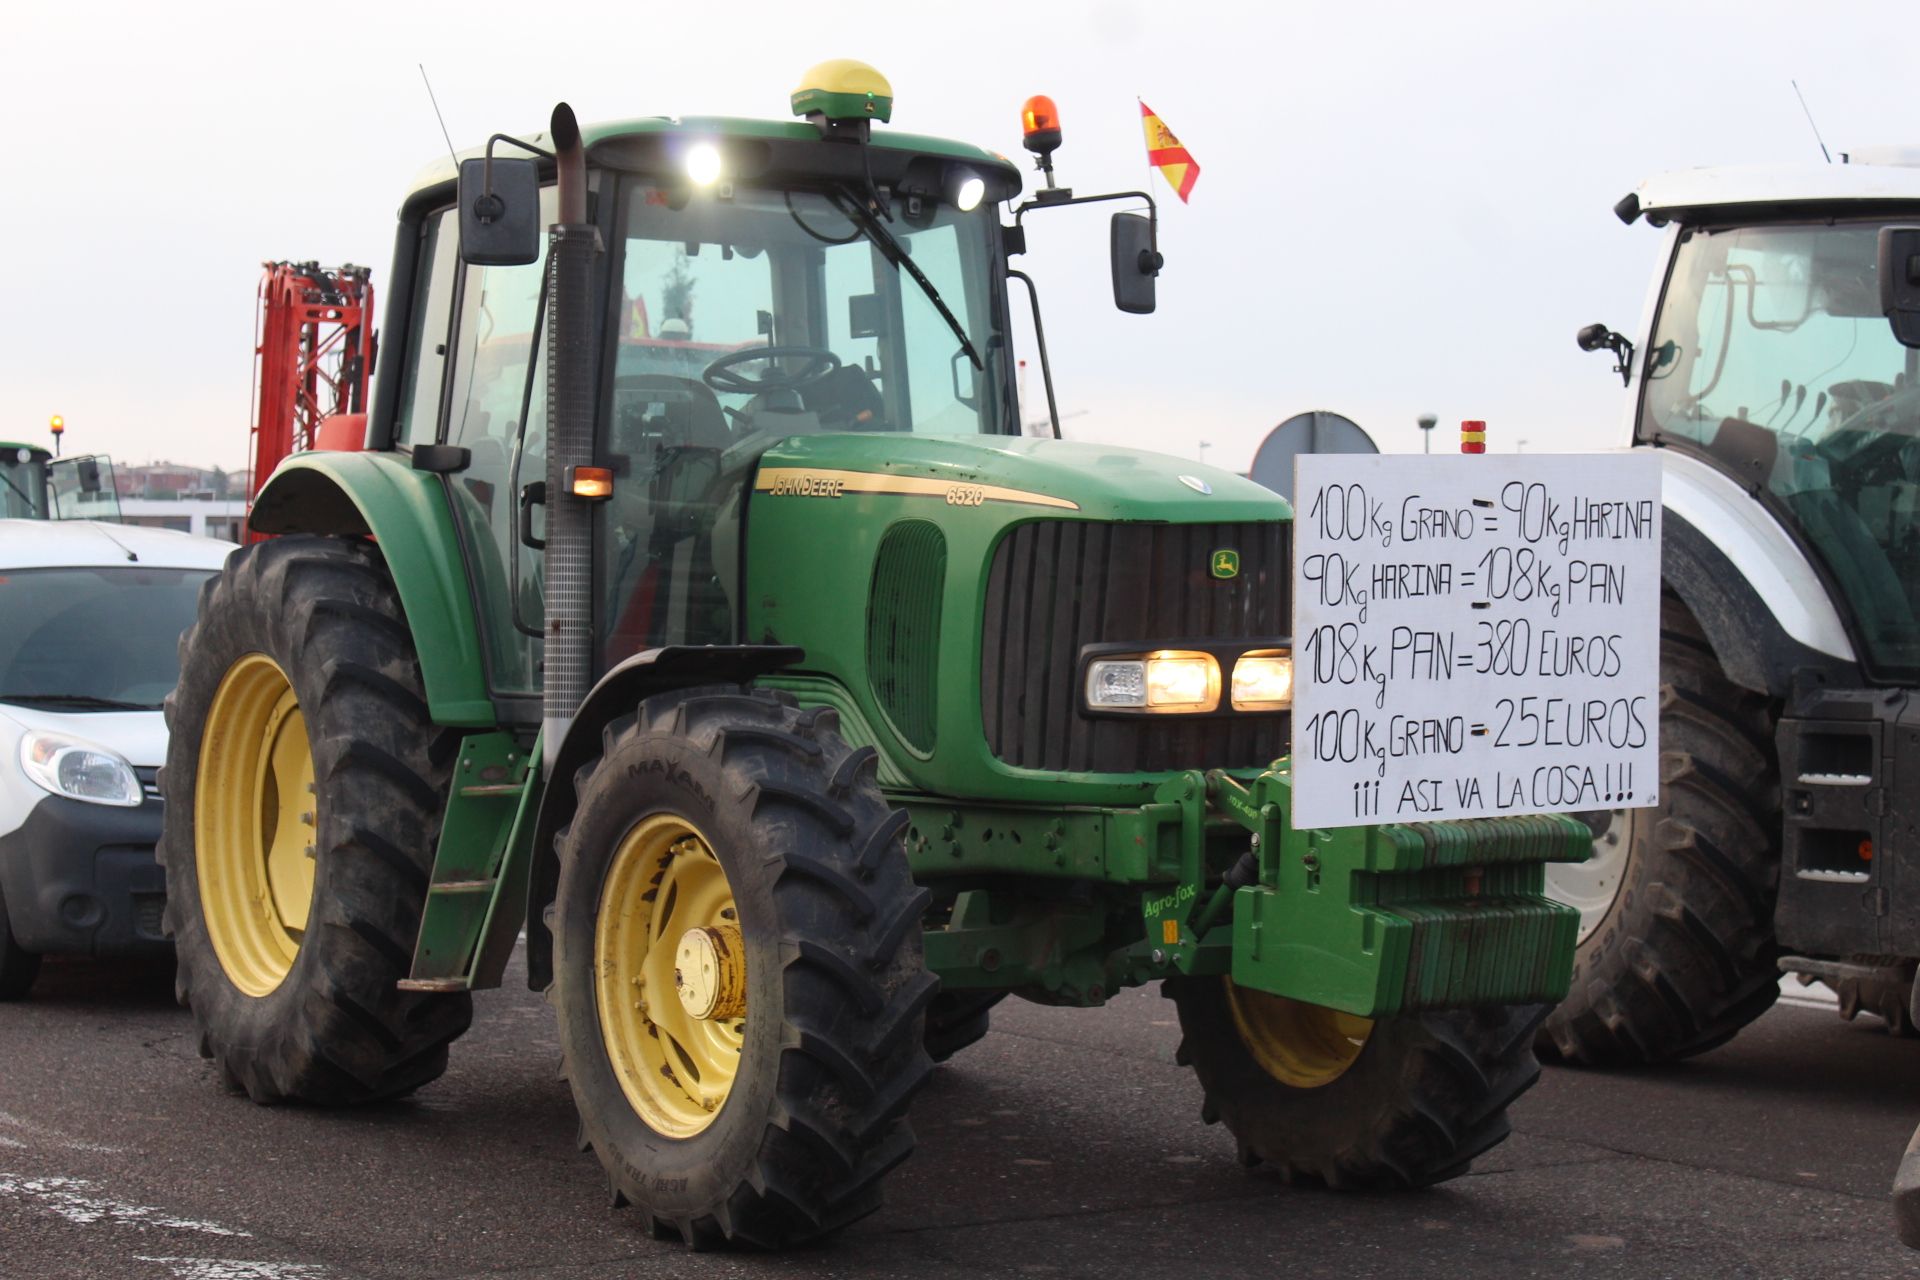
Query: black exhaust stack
x=573, y=245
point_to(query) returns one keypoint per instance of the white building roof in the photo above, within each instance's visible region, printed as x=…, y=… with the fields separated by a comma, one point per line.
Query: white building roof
x=52, y=544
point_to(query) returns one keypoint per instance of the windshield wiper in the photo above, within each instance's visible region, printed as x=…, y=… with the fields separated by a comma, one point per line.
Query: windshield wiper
x=84, y=700
x=896, y=253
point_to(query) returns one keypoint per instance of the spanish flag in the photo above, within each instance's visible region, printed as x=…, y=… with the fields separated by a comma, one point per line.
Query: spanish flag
x=1165, y=153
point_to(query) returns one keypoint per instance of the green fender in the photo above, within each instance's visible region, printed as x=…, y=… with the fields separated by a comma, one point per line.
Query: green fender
x=405, y=511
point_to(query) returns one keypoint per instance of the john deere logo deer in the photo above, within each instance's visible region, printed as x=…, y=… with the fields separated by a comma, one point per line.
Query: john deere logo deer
x=1226, y=563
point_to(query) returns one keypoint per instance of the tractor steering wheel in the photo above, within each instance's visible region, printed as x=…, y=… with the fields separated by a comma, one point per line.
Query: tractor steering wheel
x=722, y=376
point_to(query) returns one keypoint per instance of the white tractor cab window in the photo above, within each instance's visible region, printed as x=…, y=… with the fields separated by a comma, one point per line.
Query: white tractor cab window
x=1773, y=355
x=747, y=316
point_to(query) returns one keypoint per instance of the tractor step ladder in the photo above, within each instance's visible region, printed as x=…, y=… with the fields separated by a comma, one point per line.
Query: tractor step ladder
x=491, y=806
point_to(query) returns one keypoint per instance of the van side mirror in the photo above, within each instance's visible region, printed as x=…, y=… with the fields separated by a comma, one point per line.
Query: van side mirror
x=1135, y=263
x=1900, y=282
x=499, y=212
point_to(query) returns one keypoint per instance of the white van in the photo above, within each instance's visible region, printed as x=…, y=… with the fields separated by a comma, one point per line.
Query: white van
x=90, y=623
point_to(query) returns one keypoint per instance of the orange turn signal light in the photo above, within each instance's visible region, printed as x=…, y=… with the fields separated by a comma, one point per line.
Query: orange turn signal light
x=595, y=484
x=1040, y=124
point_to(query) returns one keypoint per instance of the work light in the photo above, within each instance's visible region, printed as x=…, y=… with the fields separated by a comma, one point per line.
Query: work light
x=703, y=164
x=968, y=190
x=1171, y=680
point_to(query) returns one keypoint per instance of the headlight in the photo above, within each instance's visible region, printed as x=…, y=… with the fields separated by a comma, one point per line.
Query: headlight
x=1263, y=681
x=79, y=770
x=1170, y=681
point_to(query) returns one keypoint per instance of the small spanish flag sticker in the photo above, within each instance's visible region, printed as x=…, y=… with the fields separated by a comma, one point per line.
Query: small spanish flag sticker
x=1165, y=153
x=1473, y=436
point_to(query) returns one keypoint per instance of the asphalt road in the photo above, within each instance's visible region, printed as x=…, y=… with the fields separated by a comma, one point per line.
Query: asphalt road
x=1065, y=1144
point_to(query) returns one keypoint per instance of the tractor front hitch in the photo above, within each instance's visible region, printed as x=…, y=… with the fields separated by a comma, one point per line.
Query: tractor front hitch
x=1373, y=921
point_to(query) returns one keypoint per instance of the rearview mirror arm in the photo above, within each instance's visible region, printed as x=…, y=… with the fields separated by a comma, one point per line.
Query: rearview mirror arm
x=486, y=171
x=1153, y=210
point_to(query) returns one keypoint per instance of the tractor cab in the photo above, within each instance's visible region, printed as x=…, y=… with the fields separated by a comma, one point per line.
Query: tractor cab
x=1770, y=357
x=34, y=485
x=749, y=282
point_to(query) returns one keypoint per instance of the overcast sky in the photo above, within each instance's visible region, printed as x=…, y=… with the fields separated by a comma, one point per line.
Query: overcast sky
x=1402, y=208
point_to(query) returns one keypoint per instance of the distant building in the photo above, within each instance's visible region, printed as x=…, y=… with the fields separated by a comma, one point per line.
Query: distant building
x=165, y=480
x=209, y=502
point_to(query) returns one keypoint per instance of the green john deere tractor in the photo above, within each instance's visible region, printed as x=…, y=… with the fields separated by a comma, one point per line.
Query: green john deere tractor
x=698, y=606
x=35, y=485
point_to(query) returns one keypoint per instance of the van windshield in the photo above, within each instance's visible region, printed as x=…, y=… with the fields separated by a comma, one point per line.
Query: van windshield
x=94, y=639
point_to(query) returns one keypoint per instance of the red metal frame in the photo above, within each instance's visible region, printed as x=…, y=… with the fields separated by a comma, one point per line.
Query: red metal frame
x=313, y=360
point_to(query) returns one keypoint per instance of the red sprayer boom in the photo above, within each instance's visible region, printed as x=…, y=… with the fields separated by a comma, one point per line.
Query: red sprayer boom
x=313, y=355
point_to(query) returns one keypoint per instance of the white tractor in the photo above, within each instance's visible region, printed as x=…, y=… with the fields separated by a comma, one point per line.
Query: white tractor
x=1775, y=371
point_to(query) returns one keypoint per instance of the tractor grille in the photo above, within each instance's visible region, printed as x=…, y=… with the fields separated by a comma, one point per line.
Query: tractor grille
x=1059, y=585
x=903, y=626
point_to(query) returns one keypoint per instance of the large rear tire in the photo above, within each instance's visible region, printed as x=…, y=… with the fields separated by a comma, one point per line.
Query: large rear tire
x=738, y=976
x=1676, y=949
x=1349, y=1103
x=304, y=785
x=18, y=968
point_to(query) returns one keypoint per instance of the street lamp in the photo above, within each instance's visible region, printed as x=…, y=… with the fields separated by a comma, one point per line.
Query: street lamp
x=1204, y=446
x=1427, y=423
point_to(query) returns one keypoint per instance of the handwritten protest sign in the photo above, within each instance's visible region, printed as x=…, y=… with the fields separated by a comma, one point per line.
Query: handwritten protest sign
x=1474, y=636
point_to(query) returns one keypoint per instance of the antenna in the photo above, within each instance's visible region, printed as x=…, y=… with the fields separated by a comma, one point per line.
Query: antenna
x=1803, y=106
x=443, y=120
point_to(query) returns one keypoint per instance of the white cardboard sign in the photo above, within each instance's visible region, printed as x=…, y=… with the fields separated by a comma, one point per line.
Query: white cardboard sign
x=1474, y=635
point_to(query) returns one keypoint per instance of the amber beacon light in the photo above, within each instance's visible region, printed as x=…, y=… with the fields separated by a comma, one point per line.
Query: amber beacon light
x=1040, y=125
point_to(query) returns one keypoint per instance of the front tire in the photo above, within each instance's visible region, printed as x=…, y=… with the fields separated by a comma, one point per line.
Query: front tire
x=738, y=977
x=1677, y=949
x=304, y=787
x=1349, y=1103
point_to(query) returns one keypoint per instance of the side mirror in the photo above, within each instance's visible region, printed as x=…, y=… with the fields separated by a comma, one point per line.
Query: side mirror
x=1900, y=282
x=499, y=212
x=88, y=472
x=1135, y=263
x=1597, y=337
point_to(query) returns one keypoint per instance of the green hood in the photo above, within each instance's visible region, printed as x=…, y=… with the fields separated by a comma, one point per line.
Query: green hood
x=1100, y=482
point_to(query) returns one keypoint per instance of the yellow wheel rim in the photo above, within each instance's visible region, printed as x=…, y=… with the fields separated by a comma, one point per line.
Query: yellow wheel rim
x=255, y=820
x=670, y=976
x=1304, y=1045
